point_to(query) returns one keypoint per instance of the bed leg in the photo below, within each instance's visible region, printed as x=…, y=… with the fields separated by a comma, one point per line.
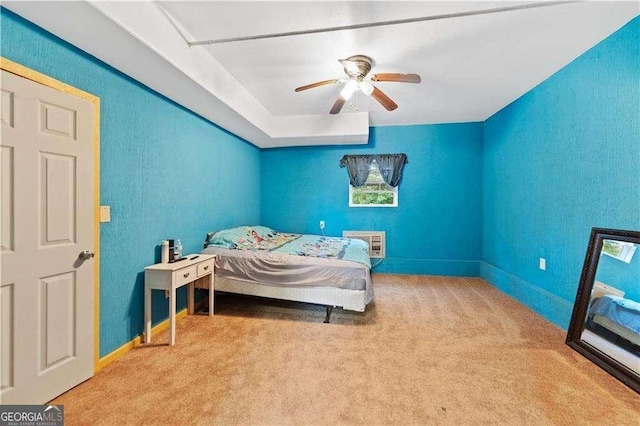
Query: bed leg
x=328, y=317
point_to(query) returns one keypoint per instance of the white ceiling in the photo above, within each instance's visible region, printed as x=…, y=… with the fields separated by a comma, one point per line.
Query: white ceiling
x=471, y=67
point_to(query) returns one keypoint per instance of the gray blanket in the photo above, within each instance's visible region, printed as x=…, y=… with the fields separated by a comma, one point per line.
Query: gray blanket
x=281, y=269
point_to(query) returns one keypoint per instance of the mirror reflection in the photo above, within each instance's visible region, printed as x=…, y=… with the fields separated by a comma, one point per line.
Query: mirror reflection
x=612, y=323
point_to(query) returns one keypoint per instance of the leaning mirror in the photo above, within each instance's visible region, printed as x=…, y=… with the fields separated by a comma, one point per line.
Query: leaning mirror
x=605, y=325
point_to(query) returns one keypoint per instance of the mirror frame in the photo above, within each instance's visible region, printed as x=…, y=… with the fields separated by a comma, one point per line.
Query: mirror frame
x=581, y=305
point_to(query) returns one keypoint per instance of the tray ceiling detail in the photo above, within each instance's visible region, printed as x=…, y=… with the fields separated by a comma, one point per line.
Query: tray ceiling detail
x=471, y=66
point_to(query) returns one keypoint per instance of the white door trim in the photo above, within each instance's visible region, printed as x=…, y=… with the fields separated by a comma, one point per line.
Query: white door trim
x=22, y=71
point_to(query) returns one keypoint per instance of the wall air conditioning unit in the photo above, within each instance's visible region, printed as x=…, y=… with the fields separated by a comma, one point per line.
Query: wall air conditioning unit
x=375, y=239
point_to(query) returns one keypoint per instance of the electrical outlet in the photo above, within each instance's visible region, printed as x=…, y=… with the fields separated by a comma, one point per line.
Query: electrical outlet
x=543, y=263
x=322, y=224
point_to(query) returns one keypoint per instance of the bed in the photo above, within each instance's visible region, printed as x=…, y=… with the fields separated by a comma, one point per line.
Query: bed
x=616, y=319
x=259, y=261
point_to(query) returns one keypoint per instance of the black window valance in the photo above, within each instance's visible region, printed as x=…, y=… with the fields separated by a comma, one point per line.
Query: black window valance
x=390, y=166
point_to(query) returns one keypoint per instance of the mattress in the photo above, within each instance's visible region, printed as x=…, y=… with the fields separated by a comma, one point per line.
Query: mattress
x=617, y=329
x=302, y=262
x=618, y=315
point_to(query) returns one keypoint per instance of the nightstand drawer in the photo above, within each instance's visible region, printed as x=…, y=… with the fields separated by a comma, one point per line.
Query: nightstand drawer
x=205, y=268
x=185, y=275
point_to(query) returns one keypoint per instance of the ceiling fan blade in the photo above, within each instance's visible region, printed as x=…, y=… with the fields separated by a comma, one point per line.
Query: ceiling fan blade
x=399, y=77
x=384, y=100
x=338, y=105
x=318, y=84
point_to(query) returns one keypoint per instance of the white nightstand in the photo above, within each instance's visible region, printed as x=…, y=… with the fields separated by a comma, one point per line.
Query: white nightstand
x=170, y=276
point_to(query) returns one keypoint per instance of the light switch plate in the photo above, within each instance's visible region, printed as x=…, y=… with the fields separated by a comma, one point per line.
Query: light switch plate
x=105, y=214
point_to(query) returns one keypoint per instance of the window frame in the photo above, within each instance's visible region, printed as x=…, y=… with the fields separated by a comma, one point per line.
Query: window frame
x=626, y=250
x=392, y=190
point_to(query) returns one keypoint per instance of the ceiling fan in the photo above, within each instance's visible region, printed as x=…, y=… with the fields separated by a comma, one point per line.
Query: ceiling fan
x=357, y=67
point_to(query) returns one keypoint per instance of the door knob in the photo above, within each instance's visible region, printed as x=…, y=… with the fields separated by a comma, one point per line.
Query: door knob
x=86, y=255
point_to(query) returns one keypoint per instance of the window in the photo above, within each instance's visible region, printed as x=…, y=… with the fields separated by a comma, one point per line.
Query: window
x=375, y=192
x=619, y=250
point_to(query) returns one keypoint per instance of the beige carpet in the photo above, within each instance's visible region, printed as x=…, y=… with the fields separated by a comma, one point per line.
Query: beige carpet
x=430, y=350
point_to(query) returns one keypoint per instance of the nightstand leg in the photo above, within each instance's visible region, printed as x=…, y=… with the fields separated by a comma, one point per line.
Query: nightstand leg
x=190, y=297
x=172, y=317
x=211, y=294
x=147, y=315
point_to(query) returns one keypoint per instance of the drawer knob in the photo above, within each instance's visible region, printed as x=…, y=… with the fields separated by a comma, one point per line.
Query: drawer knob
x=186, y=275
x=206, y=267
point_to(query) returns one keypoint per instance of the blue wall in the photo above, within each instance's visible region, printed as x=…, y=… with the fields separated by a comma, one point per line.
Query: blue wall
x=165, y=172
x=436, y=228
x=477, y=198
x=621, y=275
x=562, y=159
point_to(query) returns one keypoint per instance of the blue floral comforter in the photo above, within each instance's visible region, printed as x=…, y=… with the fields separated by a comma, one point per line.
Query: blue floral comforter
x=260, y=238
x=623, y=312
x=329, y=247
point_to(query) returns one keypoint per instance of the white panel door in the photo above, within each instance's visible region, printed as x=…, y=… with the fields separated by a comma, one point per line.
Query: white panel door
x=47, y=298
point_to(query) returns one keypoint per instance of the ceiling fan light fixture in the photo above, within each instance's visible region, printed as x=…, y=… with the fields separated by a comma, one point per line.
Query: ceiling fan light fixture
x=366, y=87
x=349, y=89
